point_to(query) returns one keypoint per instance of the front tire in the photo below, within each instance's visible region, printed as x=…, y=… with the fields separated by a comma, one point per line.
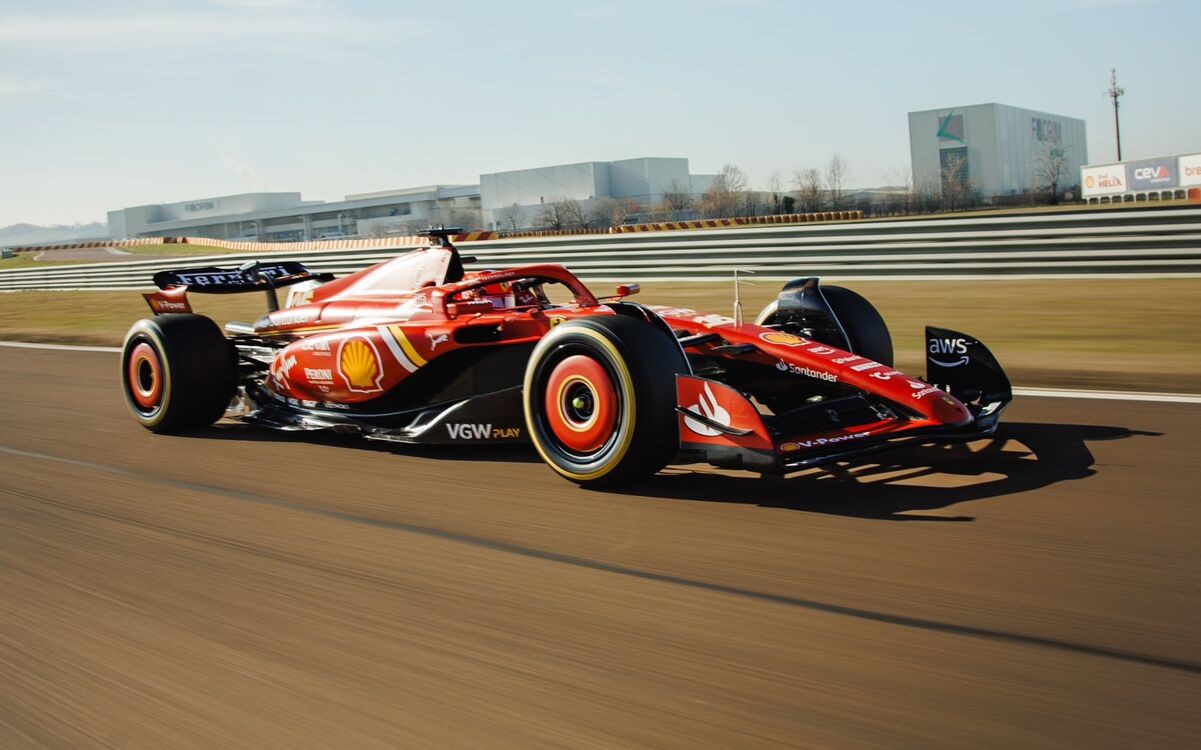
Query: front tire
x=177, y=372
x=864, y=325
x=859, y=318
x=600, y=397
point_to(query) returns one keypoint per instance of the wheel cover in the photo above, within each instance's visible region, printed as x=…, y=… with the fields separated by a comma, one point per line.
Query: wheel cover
x=581, y=404
x=144, y=377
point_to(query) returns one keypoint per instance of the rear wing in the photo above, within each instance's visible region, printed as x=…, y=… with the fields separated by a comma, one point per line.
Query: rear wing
x=249, y=277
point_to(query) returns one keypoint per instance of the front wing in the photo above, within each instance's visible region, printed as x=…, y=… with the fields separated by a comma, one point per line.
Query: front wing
x=719, y=426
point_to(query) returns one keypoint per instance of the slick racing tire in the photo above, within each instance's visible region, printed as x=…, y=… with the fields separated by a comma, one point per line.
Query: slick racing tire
x=599, y=399
x=177, y=372
x=866, y=329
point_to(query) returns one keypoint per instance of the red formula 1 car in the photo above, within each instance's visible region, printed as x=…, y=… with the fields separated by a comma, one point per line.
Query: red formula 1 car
x=419, y=350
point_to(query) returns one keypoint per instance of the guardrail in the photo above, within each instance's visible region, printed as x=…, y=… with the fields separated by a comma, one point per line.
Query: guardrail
x=1106, y=244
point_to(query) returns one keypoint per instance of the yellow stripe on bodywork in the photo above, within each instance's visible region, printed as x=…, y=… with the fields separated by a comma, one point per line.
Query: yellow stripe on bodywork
x=400, y=347
x=407, y=345
x=305, y=329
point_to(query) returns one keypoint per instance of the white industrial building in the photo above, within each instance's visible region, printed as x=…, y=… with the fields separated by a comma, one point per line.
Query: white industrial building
x=519, y=197
x=285, y=217
x=995, y=150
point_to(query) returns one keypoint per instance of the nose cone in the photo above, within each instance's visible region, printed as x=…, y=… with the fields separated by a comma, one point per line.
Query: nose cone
x=947, y=409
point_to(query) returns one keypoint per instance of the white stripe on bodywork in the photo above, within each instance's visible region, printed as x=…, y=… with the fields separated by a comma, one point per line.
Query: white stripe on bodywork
x=394, y=347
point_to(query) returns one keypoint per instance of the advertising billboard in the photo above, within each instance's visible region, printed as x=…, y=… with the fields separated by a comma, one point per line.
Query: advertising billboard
x=1103, y=180
x=1190, y=170
x=1151, y=174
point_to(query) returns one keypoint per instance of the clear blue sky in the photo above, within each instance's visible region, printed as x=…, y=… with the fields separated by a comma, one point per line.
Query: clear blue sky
x=111, y=104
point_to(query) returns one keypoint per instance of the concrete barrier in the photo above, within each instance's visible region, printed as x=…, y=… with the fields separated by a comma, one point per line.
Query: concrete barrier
x=1130, y=243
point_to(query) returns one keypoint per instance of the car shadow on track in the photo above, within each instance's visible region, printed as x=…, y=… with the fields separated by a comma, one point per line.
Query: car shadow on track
x=893, y=485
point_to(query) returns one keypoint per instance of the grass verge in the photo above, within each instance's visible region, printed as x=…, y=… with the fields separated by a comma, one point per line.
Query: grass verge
x=178, y=250
x=25, y=259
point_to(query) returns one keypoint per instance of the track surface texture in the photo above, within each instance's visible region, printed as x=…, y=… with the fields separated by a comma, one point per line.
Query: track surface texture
x=236, y=588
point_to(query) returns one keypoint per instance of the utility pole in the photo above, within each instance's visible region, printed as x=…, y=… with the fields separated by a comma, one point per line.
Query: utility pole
x=1114, y=92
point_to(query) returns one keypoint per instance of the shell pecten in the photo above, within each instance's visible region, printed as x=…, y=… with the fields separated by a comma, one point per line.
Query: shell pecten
x=359, y=364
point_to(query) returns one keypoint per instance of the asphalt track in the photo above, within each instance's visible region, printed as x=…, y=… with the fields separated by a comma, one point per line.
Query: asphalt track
x=235, y=588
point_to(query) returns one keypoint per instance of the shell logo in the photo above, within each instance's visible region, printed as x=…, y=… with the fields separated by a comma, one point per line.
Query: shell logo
x=787, y=339
x=1090, y=181
x=358, y=364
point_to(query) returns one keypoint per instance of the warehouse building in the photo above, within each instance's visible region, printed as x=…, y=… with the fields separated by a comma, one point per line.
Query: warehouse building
x=518, y=198
x=510, y=200
x=285, y=217
x=995, y=150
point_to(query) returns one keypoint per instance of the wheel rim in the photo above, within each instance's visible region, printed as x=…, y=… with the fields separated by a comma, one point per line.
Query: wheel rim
x=581, y=404
x=144, y=377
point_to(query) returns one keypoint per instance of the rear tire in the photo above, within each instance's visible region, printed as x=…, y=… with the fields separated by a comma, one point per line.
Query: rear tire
x=599, y=399
x=177, y=372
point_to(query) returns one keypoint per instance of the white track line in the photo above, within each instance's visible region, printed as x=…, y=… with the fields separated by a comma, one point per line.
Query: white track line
x=63, y=347
x=1167, y=398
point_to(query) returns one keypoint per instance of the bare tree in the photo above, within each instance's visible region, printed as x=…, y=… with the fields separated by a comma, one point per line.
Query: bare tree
x=603, y=213
x=715, y=204
x=380, y=229
x=411, y=227
x=625, y=207
x=573, y=213
x=726, y=196
x=466, y=218
x=927, y=197
x=757, y=203
x=958, y=189
x=610, y=212
x=562, y=213
x=775, y=191
x=807, y=187
x=551, y=217
x=837, y=172
x=1050, y=169
x=510, y=218
x=733, y=178
x=676, y=197
x=905, y=199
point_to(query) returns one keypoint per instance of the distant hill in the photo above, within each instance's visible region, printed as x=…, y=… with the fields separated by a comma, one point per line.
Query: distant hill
x=16, y=235
x=18, y=229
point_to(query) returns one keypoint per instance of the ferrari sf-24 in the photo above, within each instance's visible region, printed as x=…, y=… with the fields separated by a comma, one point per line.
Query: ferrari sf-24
x=419, y=349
